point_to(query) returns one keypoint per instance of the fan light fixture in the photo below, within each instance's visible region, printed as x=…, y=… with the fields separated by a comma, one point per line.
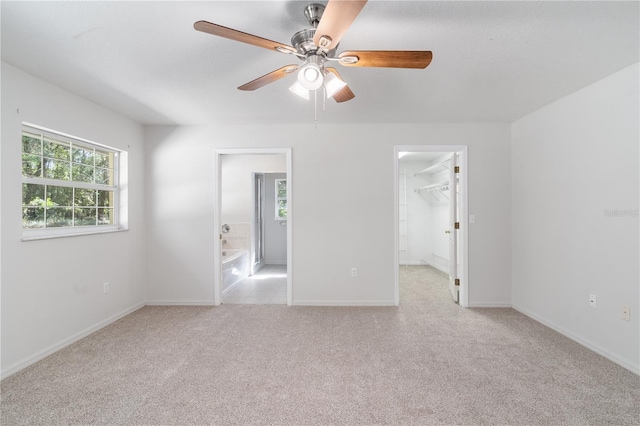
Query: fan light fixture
x=310, y=76
x=299, y=90
x=333, y=84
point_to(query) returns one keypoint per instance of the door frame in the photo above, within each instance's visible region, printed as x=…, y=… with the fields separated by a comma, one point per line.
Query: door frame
x=217, y=196
x=463, y=235
x=254, y=228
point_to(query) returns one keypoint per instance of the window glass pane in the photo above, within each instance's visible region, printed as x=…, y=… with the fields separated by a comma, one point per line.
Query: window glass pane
x=32, y=217
x=56, y=169
x=105, y=216
x=104, y=159
x=85, y=217
x=59, y=216
x=55, y=149
x=31, y=165
x=85, y=197
x=104, y=176
x=282, y=208
x=105, y=198
x=82, y=155
x=59, y=196
x=32, y=194
x=31, y=144
x=281, y=188
x=82, y=173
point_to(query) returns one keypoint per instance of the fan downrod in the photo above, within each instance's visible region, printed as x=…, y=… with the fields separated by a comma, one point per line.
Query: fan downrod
x=303, y=40
x=313, y=13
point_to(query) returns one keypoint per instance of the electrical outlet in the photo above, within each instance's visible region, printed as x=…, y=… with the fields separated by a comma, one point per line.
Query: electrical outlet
x=105, y=288
x=354, y=272
x=626, y=313
x=592, y=300
x=472, y=218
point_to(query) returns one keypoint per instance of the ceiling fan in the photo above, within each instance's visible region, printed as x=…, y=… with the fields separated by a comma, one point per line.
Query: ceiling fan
x=316, y=47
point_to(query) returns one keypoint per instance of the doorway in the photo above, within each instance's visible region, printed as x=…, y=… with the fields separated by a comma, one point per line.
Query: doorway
x=431, y=236
x=245, y=192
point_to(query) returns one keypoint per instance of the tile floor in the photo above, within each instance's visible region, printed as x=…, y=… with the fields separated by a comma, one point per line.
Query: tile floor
x=267, y=287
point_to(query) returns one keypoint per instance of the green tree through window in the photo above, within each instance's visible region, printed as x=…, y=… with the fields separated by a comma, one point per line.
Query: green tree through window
x=281, y=199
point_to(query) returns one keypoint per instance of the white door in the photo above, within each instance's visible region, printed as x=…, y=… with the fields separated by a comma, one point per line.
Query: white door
x=452, y=231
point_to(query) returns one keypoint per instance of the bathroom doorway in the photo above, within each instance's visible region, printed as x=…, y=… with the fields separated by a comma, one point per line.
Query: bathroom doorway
x=252, y=257
x=431, y=237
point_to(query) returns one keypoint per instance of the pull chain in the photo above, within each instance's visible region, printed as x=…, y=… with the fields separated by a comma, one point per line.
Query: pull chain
x=324, y=98
x=315, y=108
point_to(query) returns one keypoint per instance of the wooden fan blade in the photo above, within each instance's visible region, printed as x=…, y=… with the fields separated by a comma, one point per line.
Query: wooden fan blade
x=388, y=58
x=345, y=94
x=336, y=20
x=269, y=78
x=220, y=31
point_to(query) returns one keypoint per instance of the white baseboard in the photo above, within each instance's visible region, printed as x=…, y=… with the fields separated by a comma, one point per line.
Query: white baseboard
x=22, y=364
x=489, y=305
x=180, y=303
x=424, y=263
x=635, y=368
x=343, y=303
x=439, y=267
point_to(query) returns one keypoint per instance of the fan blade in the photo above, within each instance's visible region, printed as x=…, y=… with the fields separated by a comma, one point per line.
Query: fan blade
x=387, y=58
x=219, y=30
x=269, y=78
x=336, y=20
x=345, y=94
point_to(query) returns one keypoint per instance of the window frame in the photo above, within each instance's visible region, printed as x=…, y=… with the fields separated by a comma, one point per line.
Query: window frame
x=278, y=198
x=29, y=234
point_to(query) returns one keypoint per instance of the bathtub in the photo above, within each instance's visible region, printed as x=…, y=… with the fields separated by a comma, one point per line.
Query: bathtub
x=235, y=268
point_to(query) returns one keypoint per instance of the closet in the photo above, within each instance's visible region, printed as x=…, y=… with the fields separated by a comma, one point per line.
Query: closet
x=437, y=178
x=424, y=201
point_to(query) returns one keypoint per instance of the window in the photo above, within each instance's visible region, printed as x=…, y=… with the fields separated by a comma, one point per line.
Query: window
x=281, y=199
x=69, y=185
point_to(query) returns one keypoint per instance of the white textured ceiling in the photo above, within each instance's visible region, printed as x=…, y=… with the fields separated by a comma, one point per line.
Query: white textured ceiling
x=492, y=61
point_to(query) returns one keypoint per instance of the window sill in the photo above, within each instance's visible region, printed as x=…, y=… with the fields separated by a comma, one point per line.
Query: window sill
x=35, y=235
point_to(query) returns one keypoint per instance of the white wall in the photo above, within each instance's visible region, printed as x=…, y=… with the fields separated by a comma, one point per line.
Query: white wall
x=52, y=289
x=571, y=161
x=419, y=245
x=236, y=186
x=275, y=235
x=350, y=166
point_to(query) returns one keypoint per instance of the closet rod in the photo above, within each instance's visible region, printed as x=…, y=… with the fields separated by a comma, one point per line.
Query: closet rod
x=434, y=186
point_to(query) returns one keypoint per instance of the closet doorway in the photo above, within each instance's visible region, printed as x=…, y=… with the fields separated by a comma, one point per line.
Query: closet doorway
x=431, y=226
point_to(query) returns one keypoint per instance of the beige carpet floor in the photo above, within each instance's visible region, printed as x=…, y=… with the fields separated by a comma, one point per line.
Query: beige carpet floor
x=426, y=362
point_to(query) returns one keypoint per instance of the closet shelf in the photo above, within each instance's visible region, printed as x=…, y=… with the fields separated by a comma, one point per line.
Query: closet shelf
x=434, y=169
x=440, y=186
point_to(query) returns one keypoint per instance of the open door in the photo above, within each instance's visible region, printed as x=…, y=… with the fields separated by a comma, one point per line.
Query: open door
x=454, y=282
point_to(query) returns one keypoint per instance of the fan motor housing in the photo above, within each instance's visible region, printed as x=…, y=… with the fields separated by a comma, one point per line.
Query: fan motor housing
x=303, y=42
